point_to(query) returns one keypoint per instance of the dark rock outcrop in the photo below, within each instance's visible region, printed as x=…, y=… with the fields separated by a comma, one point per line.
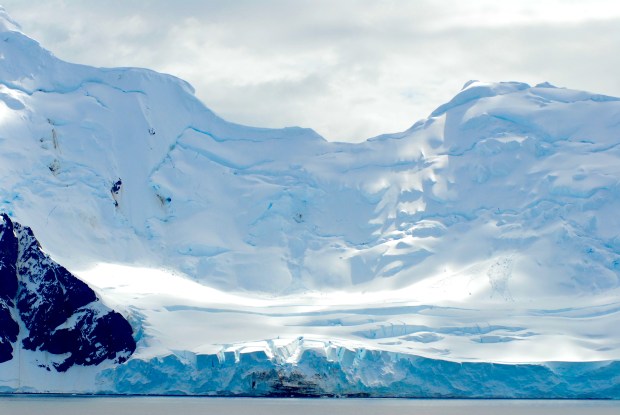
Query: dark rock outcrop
x=9, y=328
x=61, y=314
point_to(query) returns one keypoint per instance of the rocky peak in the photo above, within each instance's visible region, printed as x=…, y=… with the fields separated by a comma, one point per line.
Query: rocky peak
x=62, y=317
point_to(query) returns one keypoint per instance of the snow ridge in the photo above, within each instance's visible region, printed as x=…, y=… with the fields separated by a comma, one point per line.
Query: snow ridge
x=6, y=23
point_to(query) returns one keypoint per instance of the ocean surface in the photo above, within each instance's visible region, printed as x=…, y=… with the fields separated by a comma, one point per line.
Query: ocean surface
x=67, y=405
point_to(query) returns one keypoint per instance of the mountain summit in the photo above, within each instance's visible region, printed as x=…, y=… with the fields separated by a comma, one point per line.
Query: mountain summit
x=258, y=260
x=6, y=23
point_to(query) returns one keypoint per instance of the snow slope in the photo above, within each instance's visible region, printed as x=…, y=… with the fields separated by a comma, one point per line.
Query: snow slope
x=486, y=233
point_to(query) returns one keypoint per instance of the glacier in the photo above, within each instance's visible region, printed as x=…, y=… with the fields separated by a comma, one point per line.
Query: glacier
x=475, y=254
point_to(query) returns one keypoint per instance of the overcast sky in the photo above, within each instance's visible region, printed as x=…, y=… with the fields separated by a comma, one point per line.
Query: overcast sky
x=348, y=69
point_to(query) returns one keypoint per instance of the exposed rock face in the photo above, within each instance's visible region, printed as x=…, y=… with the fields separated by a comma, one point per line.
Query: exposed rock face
x=9, y=328
x=61, y=315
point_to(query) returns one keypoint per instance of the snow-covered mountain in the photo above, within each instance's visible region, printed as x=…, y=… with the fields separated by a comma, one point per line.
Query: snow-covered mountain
x=259, y=261
x=45, y=309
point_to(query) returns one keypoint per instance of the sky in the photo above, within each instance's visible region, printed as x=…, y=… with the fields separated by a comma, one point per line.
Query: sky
x=349, y=69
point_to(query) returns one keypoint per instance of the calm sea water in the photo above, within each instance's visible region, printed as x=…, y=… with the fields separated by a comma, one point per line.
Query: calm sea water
x=54, y=405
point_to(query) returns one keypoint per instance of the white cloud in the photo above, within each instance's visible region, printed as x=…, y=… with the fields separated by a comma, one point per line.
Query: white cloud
x=349, y=69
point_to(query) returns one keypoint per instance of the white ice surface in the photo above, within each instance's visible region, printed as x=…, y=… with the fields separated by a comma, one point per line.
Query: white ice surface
x=431, y=321
x=487, y=232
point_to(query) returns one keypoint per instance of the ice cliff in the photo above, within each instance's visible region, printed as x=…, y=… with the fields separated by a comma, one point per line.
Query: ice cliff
x=462, y=257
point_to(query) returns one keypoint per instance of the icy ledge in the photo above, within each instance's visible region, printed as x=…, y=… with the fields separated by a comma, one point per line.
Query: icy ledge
x=313, y=368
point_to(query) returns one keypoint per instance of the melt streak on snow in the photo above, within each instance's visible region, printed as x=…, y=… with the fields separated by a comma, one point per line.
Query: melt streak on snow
x=486, y=233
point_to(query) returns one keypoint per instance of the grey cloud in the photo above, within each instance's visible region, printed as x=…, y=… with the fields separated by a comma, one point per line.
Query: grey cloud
x=349, y=69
